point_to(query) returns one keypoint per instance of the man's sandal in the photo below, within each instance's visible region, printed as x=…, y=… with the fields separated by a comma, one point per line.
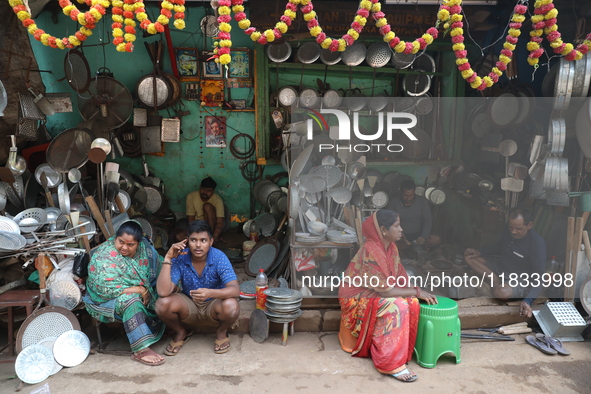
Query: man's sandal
x=405, y=372
x=220, y=347
x=176, y=345
x=146, y=352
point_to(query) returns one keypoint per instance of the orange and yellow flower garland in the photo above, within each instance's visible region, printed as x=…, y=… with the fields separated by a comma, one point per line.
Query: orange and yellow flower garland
x=123, y=14
x=89, y=18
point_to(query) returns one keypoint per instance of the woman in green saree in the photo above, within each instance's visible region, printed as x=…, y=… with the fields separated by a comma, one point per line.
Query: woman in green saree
x=122, y=275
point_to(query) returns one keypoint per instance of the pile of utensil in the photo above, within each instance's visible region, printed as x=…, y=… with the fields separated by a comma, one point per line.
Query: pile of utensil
x=283, y=305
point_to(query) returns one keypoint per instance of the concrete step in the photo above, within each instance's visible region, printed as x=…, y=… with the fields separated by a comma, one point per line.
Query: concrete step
x=473, y=313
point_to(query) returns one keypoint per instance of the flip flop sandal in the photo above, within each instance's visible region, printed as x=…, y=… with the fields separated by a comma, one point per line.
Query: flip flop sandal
x=178, y=345
x=218, y=346
x=146, y=352
x=540, y=344
x=554, y=344
x=405, y=371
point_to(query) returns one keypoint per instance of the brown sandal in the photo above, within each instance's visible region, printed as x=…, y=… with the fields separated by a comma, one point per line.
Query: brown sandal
x=146, y=352
x=219, y=347
x=173, y=345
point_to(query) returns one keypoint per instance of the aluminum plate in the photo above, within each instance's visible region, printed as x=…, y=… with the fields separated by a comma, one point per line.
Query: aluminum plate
x=71, y=348
x=34, y=364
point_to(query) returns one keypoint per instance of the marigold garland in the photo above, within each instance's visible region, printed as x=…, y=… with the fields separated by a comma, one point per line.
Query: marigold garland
x=122, y=15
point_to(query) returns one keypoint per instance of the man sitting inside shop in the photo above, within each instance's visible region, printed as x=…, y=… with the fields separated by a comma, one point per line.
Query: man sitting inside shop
x=521, y=254
x=414, y=211
x=208, y=289
x=205, y=204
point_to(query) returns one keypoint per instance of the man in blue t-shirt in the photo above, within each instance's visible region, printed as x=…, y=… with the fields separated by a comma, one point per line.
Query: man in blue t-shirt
x=196, y=283
x=521, y=255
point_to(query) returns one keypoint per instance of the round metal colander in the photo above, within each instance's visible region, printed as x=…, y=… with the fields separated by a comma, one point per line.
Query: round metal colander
x=147, y=226
x=65, y=293
x=402, y=60
x=279, y=53
x=51, y=321
x=309, y=52
x=354, y=55
x=11, y=241
x=77, y=70
x=378, y=54
x=69, y=149
x=154, y=200
x=31, y=219
x=330, y=58
x=265, y=224
x=311, y=183
x=331, y=174
x=7, y=224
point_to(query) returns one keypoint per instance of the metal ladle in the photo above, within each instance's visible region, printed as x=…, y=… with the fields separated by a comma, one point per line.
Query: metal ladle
x=355, y=171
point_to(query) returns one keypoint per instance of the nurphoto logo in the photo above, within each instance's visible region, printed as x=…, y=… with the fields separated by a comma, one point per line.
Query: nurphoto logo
x=348, y=125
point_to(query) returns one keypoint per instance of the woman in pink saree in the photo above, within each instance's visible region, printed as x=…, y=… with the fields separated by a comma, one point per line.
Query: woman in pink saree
x=380, y=308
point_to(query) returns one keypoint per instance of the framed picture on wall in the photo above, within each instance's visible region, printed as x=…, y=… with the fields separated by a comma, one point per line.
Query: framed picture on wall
x=211, y=69
x=215, y=131
x=239, y=66
x=187, y=62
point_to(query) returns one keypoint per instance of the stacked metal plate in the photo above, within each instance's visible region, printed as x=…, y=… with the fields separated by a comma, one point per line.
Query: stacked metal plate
x=10, y=241
x=307, y=238
x=340, y=237
x=283, y=305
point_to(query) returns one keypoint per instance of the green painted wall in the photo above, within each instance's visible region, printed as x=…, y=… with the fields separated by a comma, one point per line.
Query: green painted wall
x=180, y=167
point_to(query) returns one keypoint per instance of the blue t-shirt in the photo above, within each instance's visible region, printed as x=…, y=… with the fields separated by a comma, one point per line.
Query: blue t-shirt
x=218, y=271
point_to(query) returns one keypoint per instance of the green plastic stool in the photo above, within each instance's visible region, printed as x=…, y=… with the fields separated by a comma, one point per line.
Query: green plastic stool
x=438, y=333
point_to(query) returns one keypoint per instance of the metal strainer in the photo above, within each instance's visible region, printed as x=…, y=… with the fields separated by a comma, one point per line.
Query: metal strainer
x=354, y=55
x=311, y=183
x=378, y=54
x=331, y=174
x=77, y=70
x=51, y=321
x=69, y=149
x=279, y=53
x=309, y=52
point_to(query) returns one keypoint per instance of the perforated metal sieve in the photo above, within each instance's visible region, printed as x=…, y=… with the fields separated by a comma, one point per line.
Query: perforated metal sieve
x=378, y=54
